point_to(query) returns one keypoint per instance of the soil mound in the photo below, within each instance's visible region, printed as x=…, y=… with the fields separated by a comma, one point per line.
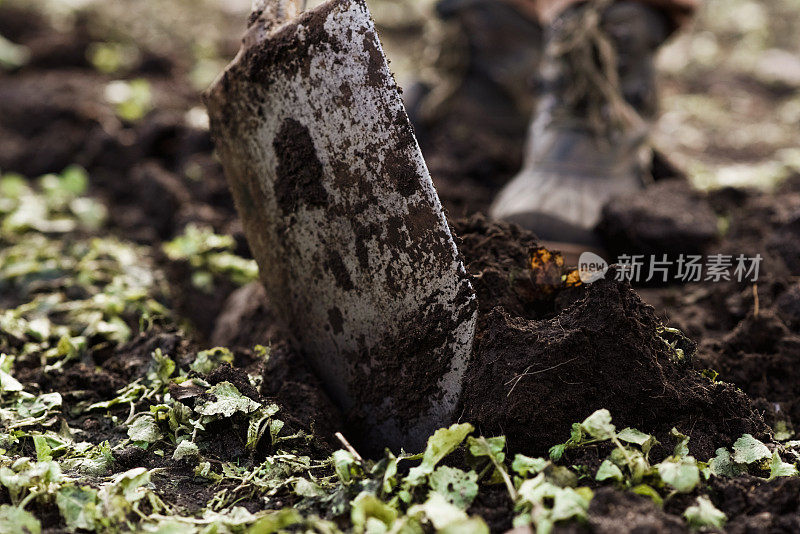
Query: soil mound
x=530, y=379
x=760, y=356
x=613, y=511
x=754, y=505
x=544, y=357
x=643, y=223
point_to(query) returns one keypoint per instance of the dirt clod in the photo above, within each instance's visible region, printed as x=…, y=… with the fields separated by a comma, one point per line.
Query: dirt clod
x=645, y=223
x=530, y=379
x=299, y=173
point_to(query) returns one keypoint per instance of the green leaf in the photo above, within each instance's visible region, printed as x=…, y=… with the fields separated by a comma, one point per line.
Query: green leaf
x=275, y=522
x=144, y=430
x=644, y=441
x=186, y=449
x=440, y=444
x=682, y=474
x=576, y=434
x=12, y=55
x=25, y=476
x=306, y=488
x=458, y=487
x=783, y=431
x=598, y=425
x=561, y=476
x=94, y=462
x=109, y=58
x=208, y=360
x=748, y=450
x=203, y=470
x=569, y=503
x=682, y=448
x=15, y=520
x=557, y=451
x=260, y=422
x=779, y=468
x=74, y=180
x=389, y=480
x=648, y=491
x=78, y=507
x=38, y=406
x=197, y=241
x=91, y=213
x=722, y=465
x=13, y=186
x=241, y=271
x=704, y=514
x=130, y=484
x=226, y=401
x=524, y=466
x=368, y=507
x=8, y=384
x=489, y=447
x=275, y=427
x=344, y=464
x=472, y=525
x=132, y=99
x=43, y=451
x=638, y=466
x=535, y=490
x=550, y=503
x=438, y=511
x=609, y=470
x=168, y=527
x=161, y=368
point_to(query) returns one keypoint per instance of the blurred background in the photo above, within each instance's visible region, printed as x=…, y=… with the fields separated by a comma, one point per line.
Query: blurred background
x=730, y=86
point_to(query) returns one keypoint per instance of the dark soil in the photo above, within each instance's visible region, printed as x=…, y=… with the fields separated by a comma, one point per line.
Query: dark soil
x=546, y=356
x=498, y=258
x=611, y=509
x=582, y=348
x=247, y=320
x=529, y=378
x=754, y=505
x=645, y=224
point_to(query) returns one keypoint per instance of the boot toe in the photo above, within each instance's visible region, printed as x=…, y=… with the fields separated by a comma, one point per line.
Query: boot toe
x=563, y=208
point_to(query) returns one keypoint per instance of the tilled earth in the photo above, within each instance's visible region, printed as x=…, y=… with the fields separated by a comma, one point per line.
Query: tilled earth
x=548, y=353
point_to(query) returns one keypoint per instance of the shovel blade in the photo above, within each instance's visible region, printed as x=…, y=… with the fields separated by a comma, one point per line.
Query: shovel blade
x=338, y=206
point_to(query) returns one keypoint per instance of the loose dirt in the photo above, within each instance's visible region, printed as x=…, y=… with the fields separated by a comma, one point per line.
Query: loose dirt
x=545, y=355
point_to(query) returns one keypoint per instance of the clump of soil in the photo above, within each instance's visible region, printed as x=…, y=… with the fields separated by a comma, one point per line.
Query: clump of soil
x=530, y=379
x=612, y=511
x=644, y=223
x=760, y=355
x=755, y=505
x=497, y=256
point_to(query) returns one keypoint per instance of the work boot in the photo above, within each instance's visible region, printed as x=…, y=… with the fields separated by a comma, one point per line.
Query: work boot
x=472, y=116
x=588, y=140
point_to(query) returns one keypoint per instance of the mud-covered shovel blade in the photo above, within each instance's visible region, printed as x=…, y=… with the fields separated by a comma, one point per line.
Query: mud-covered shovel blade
x=341, y=214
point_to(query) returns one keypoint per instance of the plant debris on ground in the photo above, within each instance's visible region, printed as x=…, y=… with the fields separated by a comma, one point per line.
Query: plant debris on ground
x=145, y=385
